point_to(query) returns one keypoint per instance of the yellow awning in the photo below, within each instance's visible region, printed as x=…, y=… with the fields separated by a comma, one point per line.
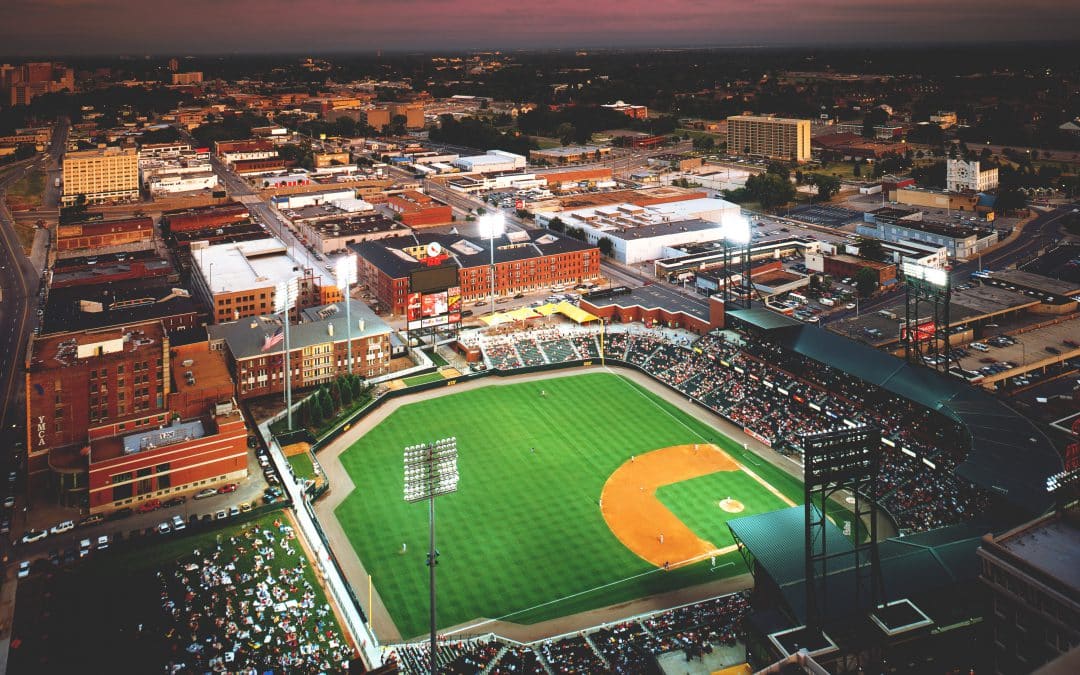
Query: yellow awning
x=548, y=309
x=522, y=313
x=496, y=319
x=575, y=314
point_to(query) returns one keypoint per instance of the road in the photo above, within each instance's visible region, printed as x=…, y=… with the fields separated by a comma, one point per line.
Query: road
x=266, y=214
x=19, y=283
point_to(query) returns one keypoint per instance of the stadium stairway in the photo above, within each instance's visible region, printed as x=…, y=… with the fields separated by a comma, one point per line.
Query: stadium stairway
x=492, y=663
x=599, y=654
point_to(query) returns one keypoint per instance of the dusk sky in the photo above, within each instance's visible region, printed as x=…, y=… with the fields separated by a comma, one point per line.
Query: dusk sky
x=222, y=26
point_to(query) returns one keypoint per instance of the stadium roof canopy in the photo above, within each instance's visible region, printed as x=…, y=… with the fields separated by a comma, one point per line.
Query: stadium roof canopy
x=1009, y=455
x=911, y=567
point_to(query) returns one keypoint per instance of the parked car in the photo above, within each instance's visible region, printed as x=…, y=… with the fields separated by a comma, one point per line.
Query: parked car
x=84, y=548
x=204, y=493
x=63, y=527
x=163, y=528
x=245, y=507
x=102, y=542
x=92, y=520
x=1053, y=350
x=175, y=501
x=227, y=488
x=178, y=523
x=34, y=535
x=979, y=347
x=221, y=514
x=24, y=569
x=148, y=506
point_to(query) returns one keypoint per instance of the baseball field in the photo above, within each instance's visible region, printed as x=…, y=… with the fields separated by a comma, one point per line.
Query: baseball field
x=575, y=493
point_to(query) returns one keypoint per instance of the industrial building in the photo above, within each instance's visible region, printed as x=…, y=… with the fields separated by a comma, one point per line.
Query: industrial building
x=492, y=162
x=901, y=225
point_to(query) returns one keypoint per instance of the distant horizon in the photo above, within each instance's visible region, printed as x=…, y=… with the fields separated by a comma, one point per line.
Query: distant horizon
x=210, y=27
x=629, y=49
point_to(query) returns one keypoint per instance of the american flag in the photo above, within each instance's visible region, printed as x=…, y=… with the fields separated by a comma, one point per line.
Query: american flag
x=272, y=340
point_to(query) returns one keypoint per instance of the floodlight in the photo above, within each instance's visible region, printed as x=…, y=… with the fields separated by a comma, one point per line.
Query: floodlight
x=934, y=276
x=285, y=294
x=737, y=230
x=345, y=271
x=491, y=225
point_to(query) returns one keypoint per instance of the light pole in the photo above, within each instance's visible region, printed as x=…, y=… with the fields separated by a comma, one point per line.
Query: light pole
x=736, y=233
x=284, y=299
x=492, y=226
x=346, y=274
x=431, y=471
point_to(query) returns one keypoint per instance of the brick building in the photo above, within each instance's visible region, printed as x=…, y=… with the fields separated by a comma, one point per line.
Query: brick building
x=524, y=261
x=243, y=166
x=419, y=210
x=840, y=266
x=97, y=234
x=239, y=279
x=204, y=217
x=318, y=348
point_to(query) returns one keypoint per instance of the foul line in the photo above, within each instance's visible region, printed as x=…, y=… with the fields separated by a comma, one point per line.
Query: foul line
x=767, y=486
x=479, y=624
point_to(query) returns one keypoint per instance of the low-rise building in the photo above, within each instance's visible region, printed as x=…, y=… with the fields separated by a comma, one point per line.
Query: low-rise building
x=318, y=348
x=333, y=234
x=238, y=280
x=638, y=112
x=102, y=233
x=571, y=154
x=962, y=176
x=172, y=183
x=900, y=226
x=492, y=162
x=417, y=209
x=204, y=217
x=842, y=265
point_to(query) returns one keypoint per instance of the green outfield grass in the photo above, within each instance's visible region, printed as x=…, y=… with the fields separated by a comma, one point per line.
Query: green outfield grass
x=523, y=538
x=422, y=379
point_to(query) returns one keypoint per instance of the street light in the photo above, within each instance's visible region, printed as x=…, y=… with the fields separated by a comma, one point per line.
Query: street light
x=346, y=274
x=284, y=298
x=491, y=227
x=431, y=471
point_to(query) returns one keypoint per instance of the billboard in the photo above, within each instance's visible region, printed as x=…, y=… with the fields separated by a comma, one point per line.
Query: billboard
x=924, y=331
x=431, y=310
x=429, y=280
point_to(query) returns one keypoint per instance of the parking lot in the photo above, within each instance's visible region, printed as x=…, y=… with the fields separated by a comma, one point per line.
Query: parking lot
x=1009, y=356
x=1062, y=262
x=826, y=216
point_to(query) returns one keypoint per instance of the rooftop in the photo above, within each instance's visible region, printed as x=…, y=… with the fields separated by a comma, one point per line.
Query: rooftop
x=196, y=367
x=67, y=349
x=346, y=226
x=389, y=255
x=239, y=266
x=88, y=307
x=247, y=338
x=1051, y=545
x=653, y=297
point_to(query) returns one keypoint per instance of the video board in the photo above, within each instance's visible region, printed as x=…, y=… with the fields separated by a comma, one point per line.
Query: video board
x=432, y=279
x=432, y=310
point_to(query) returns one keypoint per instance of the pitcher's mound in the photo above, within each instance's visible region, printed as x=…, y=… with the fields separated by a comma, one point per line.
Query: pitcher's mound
x=732, y=505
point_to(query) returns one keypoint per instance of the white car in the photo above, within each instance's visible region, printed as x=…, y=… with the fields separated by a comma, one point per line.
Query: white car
x=24, y=569
x=222, y=514
x=63, y=527
x=178, y=523
x=850, y=305
x=84, y=548
x=34, y=535
x=163, y=528
x=103, y=542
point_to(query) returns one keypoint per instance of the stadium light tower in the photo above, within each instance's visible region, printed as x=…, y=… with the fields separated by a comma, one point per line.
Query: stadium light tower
x=736, y=233
x=431, y=471
x=346, y=275
x=492, y=226
x=284, y=298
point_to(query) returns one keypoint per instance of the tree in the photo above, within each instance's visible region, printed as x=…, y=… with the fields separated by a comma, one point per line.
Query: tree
x=335, y=394
x=606, y=246
x=856, y=170
x=770, y=189
x=397, y=126
x=557, y=225
x=25, y=151
x=305, y=413
x=1010, y=199
x=779, y=169
x=827, y=186
x=326, y=404
x=871, y=249
x=315, y=409
x=865, y=282
x=346, y=390
x=566, y=133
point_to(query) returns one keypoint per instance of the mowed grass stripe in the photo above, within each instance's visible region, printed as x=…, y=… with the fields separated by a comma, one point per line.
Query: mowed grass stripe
x=524, y=528
x=697, y=502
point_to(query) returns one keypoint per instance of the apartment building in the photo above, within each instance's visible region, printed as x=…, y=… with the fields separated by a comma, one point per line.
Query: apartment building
x=103, y=175
x=771, y=137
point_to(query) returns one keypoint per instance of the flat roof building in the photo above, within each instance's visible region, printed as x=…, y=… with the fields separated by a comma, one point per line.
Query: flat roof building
x=772, y=137
x=493, y=161
x=240, y=279
x=417, y=209
x=103, y=175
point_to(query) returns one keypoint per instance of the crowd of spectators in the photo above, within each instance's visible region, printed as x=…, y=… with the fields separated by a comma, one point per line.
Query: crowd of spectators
x=629, y=647
x=780, y=396
x=246, y=604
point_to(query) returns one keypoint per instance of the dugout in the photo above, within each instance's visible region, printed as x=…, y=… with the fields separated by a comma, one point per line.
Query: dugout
x=1008, y=455
x=932, y=605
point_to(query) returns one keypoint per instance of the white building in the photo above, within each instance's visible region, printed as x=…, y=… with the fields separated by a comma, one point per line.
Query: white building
x=231, y=157
x=961, y=175
x=642, y=233
x=314, y=198
x=492, y=162
x=170, y=183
